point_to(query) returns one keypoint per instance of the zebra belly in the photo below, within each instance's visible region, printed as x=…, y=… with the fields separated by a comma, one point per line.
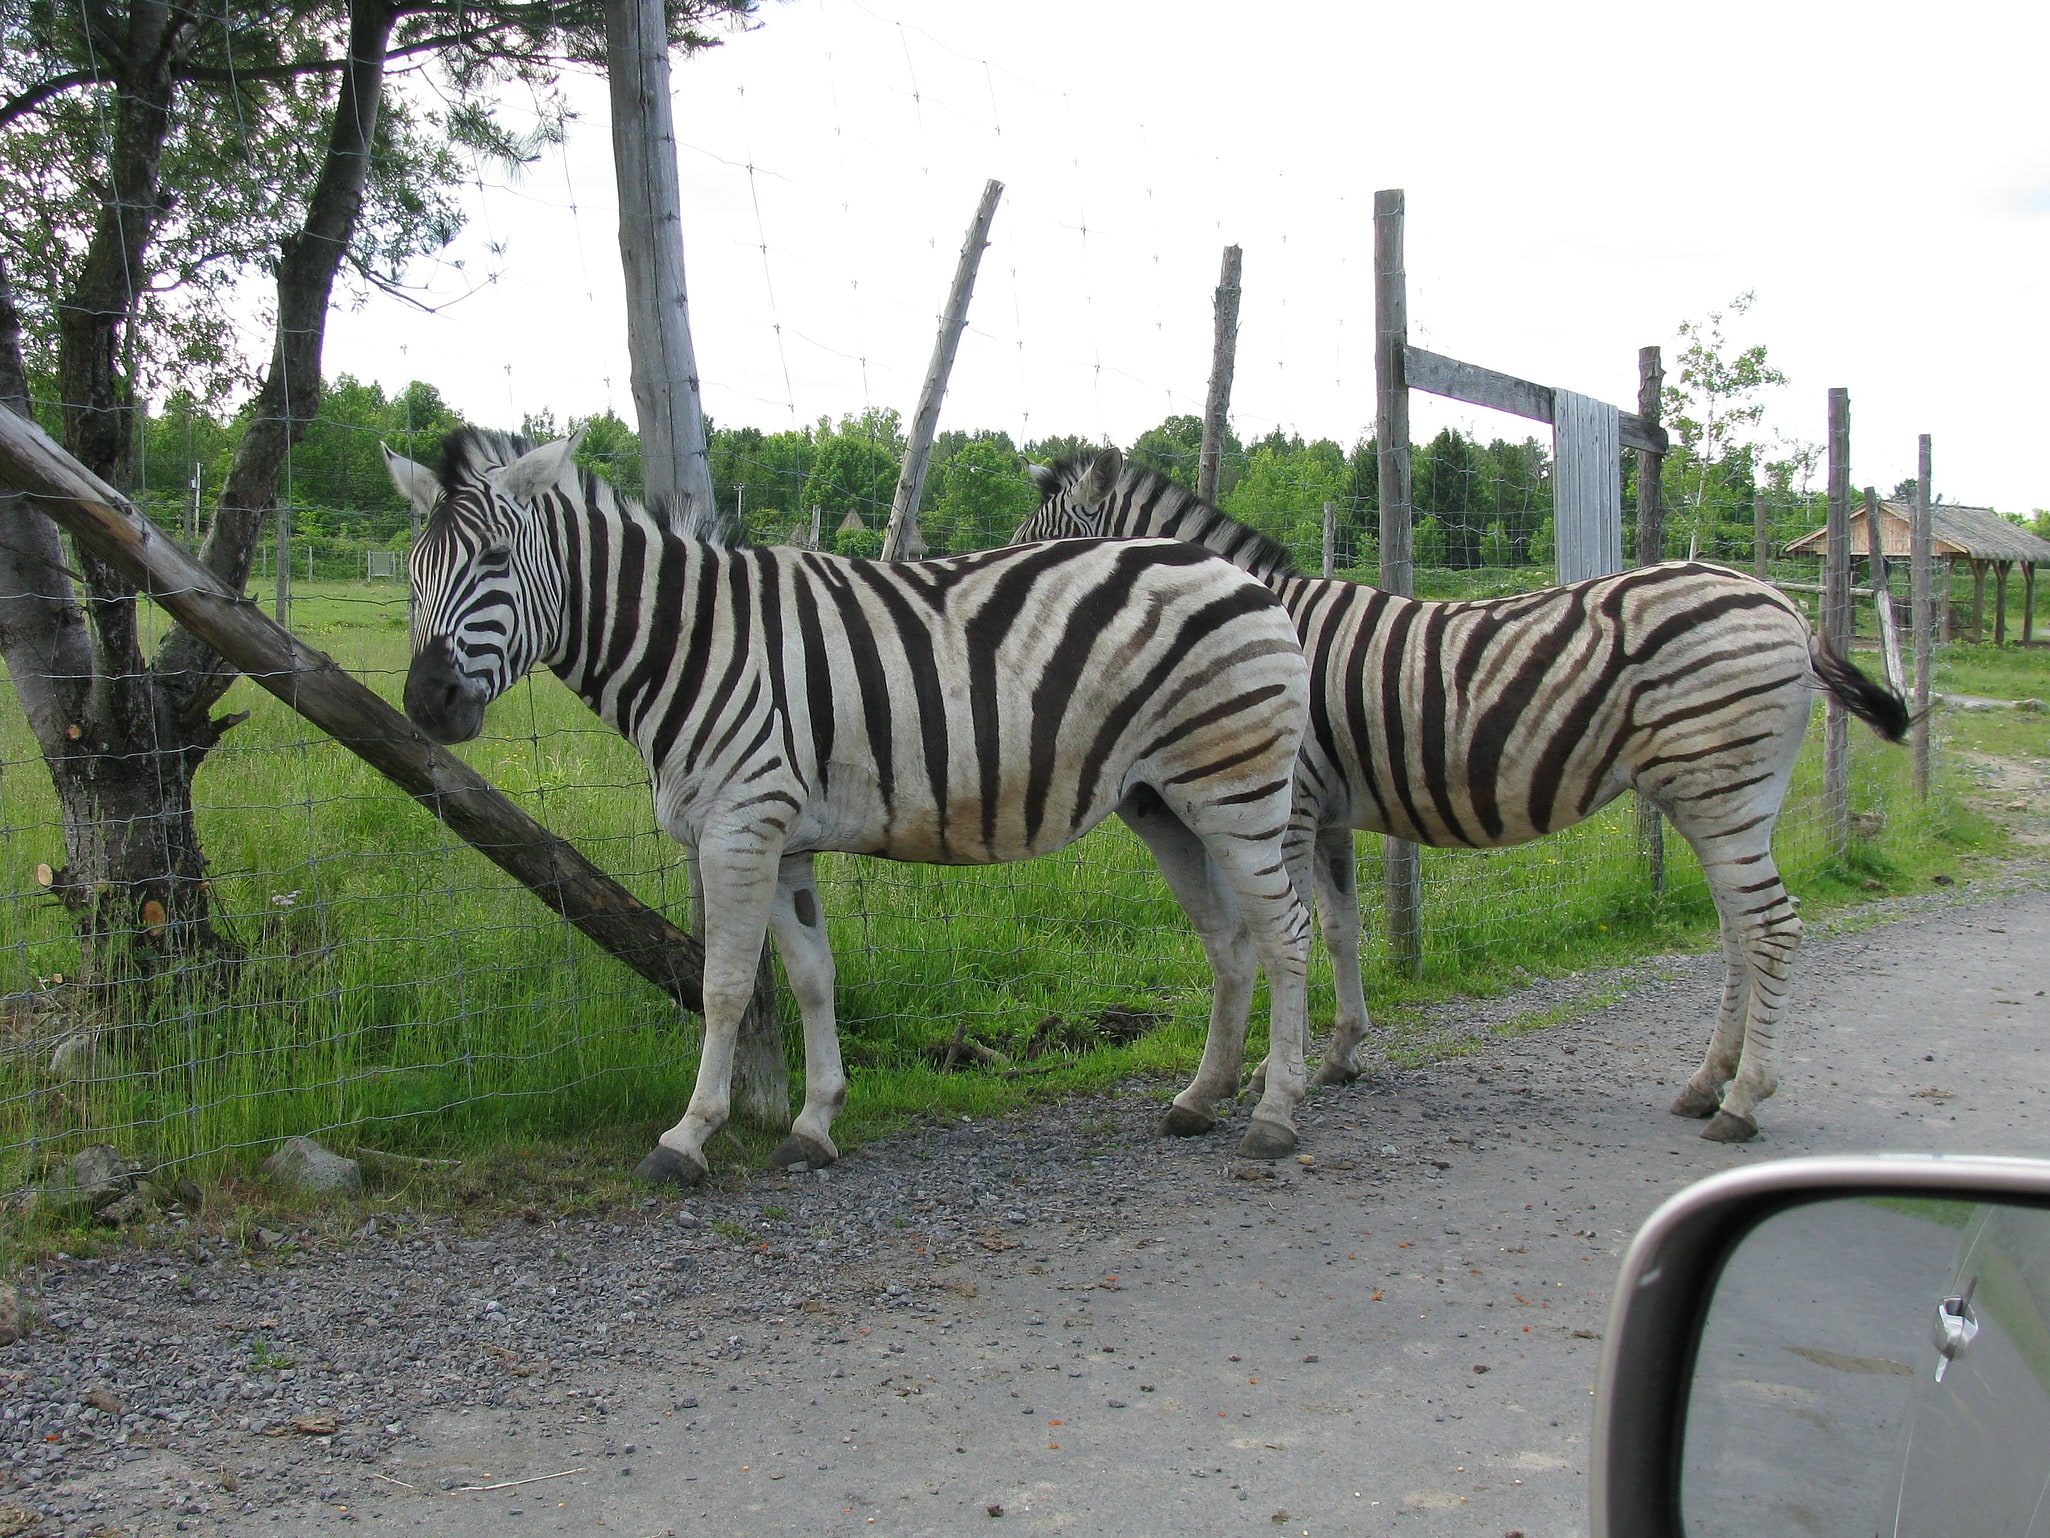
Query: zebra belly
x=857, y=818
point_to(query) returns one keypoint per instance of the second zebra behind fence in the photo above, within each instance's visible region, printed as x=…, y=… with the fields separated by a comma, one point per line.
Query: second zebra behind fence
x=969, y=710
x=1494, y=722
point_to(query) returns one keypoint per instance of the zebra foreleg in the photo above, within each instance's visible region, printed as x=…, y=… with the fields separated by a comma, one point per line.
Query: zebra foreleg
x=799, y=923
x=1338, y=912
x=740, y=888
x=1201, y=890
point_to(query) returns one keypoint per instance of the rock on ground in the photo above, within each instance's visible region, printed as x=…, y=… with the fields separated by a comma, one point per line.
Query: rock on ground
x=303, y=1165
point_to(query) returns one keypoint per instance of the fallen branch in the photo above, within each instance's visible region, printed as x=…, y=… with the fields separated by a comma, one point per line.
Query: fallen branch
x=507, y=1484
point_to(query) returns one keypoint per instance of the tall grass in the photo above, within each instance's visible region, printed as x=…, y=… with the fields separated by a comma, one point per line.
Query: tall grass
x=403, y=990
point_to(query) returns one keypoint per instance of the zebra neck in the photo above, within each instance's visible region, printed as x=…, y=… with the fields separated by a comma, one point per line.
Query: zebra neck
x=1183, y=515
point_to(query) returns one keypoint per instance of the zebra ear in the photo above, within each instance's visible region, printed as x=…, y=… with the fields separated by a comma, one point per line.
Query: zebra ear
x=416, y=483
x=1103, y=475
x=537, y=469
x=1044, y=479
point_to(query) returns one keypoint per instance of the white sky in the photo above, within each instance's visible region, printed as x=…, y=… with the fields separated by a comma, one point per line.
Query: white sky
x=1580, y=178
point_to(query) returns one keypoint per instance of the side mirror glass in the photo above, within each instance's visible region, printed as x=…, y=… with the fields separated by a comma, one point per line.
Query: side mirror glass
x=1874, y=1364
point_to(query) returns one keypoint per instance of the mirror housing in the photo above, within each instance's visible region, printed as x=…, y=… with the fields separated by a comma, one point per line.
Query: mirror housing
x=1669, y=1276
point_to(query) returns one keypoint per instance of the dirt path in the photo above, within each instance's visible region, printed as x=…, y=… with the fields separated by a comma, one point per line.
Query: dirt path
x=1091, y=1329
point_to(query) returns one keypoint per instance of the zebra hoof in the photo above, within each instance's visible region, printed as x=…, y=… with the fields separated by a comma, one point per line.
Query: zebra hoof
x=1695, y=1103
x=796, y=1152
x=1335, y=1072
x=1267, y=1140
x=666, y=1167
x=1180, y=1121
x=1729, y=1127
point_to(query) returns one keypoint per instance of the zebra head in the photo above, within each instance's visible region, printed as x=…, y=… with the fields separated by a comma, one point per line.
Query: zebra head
x=487, y=586
x=1075, y=499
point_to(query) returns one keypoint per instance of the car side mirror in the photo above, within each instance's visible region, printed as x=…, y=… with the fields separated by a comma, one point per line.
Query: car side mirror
x=1832, y=1346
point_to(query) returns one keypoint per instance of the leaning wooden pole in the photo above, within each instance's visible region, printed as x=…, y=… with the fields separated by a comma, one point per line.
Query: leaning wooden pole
x=1922, y=600
x=1401, y=868
x=925, y=422
x=1651, y=549
x=1836, y=626
x=667, y=403
x=1224, y=353
x=313, y=684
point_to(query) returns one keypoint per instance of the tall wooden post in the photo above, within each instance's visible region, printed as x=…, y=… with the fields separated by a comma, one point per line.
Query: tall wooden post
x=675, y=467
x=1224, y=350
x=1330, y=537
x=1402, y=871
x=1761, y=537
x=1836, y=626
x=1882, y=593
x=284, y=589
x=926, y=420
x=1651, y=549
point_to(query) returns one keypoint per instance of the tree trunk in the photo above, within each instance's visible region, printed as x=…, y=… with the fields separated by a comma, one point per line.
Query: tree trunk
x=123, y=739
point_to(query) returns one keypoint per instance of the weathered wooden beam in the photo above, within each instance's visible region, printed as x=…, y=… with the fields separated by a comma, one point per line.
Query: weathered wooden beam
x=1836, y=626
x=317, y=687
x=1224, y=352
x=1921, y=589
x=1401, y=865
x=925, y=421
x=1497, y=391
x=1651, y=549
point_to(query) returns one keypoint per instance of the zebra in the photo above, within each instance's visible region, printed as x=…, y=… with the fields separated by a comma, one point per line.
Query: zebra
x=1490, y=723
x=967, y=710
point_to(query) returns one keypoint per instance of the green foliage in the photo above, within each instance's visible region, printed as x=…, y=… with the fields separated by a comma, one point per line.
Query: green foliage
x=1496, y=548
x=1175, y=448
x=854, y=466
x=1427, y=541
x=1284, y=489
x=611, y=449
x=976, y=495
x=863, y=544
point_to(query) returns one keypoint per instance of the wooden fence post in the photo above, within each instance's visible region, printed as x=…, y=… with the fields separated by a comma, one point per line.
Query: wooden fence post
x=1651, y=549
x=283, y=603
x=1836, y=626
x=1330, y=537
x=1224, y=350
x=1882, y=593
x=1402, y=871
x=903, y=526
x=675, y=467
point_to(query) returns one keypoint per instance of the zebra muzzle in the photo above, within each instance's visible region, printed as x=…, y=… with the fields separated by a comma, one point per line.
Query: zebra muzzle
x=439, y=699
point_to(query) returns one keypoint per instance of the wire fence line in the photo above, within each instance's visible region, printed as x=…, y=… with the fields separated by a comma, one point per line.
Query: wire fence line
x=392, y=983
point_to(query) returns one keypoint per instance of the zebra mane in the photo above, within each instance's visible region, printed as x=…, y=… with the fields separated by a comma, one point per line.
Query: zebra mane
x=467, y=452
x=1146, y=504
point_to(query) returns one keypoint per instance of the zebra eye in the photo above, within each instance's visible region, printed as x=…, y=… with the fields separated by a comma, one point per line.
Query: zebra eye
x=495, y=555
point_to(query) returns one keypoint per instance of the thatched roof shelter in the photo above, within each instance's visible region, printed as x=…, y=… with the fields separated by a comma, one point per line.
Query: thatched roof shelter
x=1978, y=536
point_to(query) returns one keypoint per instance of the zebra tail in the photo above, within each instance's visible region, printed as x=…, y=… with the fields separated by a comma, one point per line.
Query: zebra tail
x=1877, y=705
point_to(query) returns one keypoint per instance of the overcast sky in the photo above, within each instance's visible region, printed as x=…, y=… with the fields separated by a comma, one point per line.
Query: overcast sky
x=1580, y=178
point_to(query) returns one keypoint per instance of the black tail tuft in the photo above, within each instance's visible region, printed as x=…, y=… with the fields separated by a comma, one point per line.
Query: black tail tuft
x=1878, y=706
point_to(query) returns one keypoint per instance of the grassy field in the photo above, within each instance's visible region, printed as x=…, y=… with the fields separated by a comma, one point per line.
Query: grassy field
x=406, y=995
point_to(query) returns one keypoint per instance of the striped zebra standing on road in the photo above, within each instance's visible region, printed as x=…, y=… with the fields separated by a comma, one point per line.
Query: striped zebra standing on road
x=963, y=711
x=1483, y=724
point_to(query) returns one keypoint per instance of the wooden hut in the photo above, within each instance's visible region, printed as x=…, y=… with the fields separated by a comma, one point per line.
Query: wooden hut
x=1978, y=536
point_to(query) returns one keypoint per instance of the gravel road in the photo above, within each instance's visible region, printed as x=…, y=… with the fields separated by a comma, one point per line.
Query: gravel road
x=1060, y=1318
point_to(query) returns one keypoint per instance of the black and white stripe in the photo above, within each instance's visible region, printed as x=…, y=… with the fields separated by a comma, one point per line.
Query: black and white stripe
x=961, y=711
x=1481, y=724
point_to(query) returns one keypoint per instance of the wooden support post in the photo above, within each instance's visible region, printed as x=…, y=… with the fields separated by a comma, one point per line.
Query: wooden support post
x=1761, y=538
x=1224, y=351
x=1836, y=627
x=1402, y=870
x=1330, y=537
x=283, y=603
x=1922, y=598
x=1882, y=594
x=105, y=522
x=2000, y=603
x=1978, y=601
x=1947, y=604
x=1651, y=549
x=675, y=467
x=676, y=470
x=2028, y=602
x=901, y=537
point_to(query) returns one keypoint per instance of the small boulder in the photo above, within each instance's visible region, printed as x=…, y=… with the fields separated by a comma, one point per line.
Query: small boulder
x=302, y=1165
x=91, y=1179
x=13, y=1318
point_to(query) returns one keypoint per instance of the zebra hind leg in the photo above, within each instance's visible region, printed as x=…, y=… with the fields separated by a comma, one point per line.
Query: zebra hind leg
x=1338, y=913
x=1227, y=943
x=1702, y=1095
x=1761, y=933
x=799, y=923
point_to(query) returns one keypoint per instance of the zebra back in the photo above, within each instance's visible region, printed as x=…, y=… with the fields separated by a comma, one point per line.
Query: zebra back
x=1101, y=495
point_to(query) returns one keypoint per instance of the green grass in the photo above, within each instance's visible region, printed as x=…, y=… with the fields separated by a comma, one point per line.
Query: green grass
x=407, y=996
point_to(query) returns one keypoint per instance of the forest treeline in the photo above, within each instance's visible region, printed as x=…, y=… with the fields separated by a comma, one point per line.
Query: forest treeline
x=1478, y=504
